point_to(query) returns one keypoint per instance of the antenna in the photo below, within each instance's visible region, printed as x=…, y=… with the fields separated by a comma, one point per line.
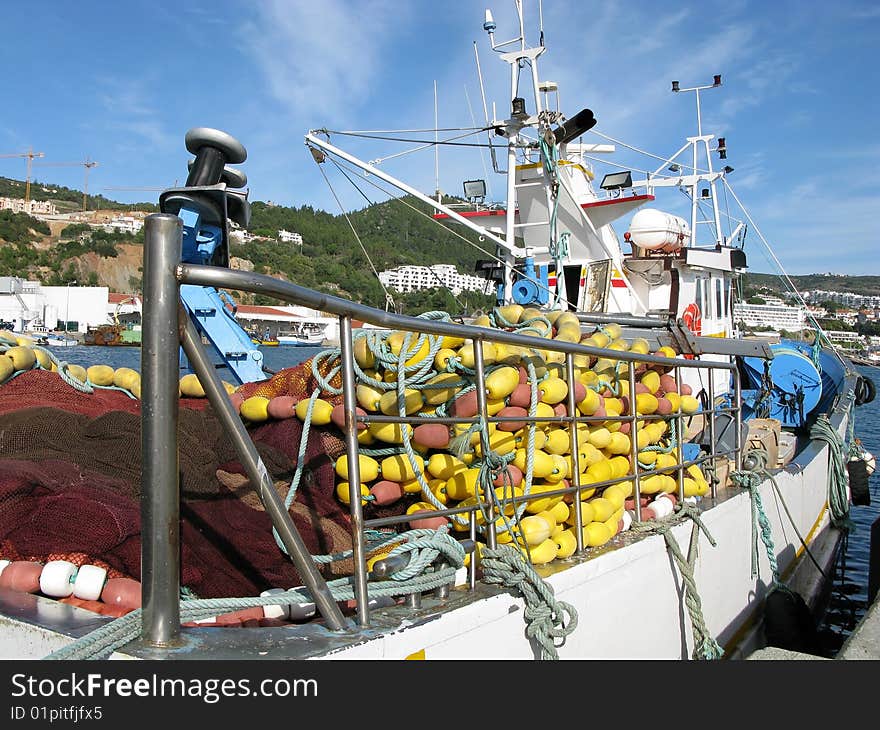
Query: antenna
x=436, y=148
x=692, y=181
x=485, y=107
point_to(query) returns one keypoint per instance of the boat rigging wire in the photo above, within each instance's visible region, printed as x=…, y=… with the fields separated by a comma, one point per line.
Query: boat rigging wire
x=363, y=132
x=492, y=256
x=784, y=274
x=388, y=298
x=696, y=170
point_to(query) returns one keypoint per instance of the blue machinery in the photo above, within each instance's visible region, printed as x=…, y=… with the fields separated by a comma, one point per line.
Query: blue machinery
x=206, y=205
x=791, y=385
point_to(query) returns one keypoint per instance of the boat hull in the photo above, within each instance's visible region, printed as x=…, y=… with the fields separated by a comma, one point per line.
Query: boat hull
x=629, y=595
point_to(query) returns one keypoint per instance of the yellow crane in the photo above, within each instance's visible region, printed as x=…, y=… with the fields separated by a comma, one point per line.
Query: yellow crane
x=86, y=163
x=30, y=154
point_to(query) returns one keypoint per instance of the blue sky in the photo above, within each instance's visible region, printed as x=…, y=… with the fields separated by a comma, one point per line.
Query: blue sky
x=121, y=82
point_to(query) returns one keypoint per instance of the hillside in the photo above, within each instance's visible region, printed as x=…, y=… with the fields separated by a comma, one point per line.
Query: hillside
x=867, y=285
x=331, y=259
x=67, y=200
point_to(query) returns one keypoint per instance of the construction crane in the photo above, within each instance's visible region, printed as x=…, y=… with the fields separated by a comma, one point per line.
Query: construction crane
x=30, y=154
x=87, y=164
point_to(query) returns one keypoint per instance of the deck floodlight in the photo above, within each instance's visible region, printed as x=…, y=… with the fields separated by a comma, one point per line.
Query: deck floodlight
x=474, y=189
x=675, y=86
x=573, y=128
x=674, y=167
x=716, y=80
x=705, y=193
x=728, y=169
x=518, y=106
x=617, y=180
x=722, y=148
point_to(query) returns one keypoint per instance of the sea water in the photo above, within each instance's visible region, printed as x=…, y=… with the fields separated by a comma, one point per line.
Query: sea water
x=849, y=600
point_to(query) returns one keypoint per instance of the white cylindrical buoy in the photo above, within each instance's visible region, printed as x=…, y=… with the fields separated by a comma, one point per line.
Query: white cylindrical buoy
x=662, y=507
x=300, y=611
x=89, y=583
x=56, y=579
x=275, y=610
x=870, y=462
x=654, y=230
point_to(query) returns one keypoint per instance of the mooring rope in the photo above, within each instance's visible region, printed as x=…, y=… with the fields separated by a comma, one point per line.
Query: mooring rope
x=705, y=646
x=546, y=618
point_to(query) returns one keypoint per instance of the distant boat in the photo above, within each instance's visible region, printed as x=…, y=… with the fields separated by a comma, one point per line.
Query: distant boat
x=303, y=334
x=264, y=340
x=59, y=340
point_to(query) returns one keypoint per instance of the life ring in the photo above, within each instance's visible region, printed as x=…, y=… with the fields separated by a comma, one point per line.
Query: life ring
x=692, y=318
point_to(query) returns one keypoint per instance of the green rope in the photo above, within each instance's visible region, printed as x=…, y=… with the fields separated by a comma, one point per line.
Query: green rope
x=705, y=646
x=751, y=479
x=838, y=480
x=546, y=618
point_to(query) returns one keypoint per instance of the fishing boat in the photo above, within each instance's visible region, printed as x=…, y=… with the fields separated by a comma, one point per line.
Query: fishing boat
x=56, y=339
x=598, y=467
x=302, y=333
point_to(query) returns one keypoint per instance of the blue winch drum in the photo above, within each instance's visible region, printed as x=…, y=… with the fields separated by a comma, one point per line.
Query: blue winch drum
x=797, y=383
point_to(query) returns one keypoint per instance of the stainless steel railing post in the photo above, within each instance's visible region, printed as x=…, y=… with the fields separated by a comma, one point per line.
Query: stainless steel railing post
x=737, y=394
x=714, y=490
x=679, y=440
x=575, y=476
x=354, y=472
x=160, y=492
x=260, y=478
x=479, y=367
x=634, y=442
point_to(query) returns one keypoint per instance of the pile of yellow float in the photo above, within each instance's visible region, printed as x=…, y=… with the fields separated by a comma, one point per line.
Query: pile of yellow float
x=22, y=353
x=444, y=462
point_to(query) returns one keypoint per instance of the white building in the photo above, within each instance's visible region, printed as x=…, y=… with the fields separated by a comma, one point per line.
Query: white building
x=290, y=237
x=845, y=337
x=414, y=278
x=848, y=298
x=25, y=303
x=779, y=316
x=123, y=224
x=32, y=207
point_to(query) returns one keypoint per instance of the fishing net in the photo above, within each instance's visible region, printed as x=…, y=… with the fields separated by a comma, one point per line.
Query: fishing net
x=70, y=485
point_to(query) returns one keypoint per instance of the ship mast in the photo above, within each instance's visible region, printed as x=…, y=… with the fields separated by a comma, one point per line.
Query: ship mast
x=692, y=181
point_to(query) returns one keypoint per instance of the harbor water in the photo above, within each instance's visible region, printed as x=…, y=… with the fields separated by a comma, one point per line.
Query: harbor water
x=849, y=599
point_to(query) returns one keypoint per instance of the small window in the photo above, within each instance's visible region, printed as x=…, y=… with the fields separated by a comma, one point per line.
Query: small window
x=719, y=307
x=698, y=297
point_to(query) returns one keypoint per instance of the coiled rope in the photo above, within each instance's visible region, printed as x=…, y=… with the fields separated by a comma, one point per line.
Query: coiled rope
x=838, y=480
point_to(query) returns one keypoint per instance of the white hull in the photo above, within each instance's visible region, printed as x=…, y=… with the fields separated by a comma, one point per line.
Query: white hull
x=629, y=596
x=630, y=600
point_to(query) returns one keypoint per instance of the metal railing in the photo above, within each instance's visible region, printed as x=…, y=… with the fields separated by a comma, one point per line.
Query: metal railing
x=166, y=327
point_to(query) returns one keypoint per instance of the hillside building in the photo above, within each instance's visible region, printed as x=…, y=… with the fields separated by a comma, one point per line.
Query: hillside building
x=31, y=207
x=414, y=278
x=774, y=314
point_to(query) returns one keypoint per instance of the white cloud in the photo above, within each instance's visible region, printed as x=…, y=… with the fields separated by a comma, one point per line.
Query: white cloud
x=129, y=110
x=319, y=57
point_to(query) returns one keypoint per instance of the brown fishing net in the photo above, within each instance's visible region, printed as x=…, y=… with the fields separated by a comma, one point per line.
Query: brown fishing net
x=70, y=485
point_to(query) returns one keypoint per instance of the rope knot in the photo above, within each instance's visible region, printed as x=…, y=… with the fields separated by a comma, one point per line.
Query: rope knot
x=546, y=618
